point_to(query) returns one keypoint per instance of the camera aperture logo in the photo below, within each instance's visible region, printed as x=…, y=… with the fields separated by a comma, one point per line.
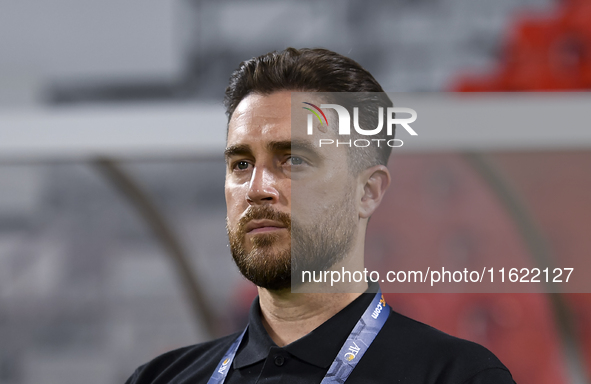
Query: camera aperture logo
x=344, y=120
x=314, y=112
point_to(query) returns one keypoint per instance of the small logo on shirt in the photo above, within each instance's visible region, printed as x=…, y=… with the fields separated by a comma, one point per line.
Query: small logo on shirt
x=224, y=366
x=352, y=352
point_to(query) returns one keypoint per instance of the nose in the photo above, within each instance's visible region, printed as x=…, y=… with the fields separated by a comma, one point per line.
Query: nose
x=262, y=188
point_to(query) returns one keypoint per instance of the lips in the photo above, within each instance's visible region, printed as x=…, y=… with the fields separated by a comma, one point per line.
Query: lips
x=257, y=226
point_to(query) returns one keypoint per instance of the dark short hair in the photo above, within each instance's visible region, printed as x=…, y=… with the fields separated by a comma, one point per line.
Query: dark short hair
x=317, y=70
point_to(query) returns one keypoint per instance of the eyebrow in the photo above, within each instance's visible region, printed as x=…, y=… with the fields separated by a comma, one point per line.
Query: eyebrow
x=274, y=146
x=236, y=150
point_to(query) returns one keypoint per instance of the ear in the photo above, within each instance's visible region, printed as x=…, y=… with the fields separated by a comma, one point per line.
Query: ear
x=375, y=181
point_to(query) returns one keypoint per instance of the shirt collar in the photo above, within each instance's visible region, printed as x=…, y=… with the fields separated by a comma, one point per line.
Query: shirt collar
x=318, y=347
x=256, y=343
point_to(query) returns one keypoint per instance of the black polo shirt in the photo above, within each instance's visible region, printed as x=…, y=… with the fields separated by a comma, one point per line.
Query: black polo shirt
x=405, y=351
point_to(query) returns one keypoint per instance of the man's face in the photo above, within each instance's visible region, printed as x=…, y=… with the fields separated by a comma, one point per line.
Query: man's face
x=285, y=196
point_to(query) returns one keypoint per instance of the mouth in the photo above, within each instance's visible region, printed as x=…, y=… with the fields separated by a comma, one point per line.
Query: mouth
x=262, y=226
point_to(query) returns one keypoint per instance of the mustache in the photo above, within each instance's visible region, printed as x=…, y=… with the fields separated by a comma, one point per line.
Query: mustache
x=263, y=212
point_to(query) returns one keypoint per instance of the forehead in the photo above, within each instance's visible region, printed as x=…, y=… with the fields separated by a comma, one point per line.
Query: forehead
x=261, y=116
x=271, y=117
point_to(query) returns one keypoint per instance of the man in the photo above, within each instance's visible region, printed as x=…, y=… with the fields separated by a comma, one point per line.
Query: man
x=293, y=206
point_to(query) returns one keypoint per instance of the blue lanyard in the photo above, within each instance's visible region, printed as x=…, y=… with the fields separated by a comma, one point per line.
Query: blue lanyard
x=223, y=367
x=359, y=340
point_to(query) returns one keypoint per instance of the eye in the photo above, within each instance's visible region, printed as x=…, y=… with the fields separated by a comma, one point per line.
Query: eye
x=294, y=160
x=241, y=165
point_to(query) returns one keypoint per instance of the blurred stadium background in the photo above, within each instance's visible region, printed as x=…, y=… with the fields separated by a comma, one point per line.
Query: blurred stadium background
x=112, y=239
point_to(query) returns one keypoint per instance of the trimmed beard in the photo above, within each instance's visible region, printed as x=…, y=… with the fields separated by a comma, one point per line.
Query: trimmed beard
x=316, y=247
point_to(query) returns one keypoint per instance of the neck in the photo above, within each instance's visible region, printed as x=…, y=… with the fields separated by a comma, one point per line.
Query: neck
x=288, y=316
